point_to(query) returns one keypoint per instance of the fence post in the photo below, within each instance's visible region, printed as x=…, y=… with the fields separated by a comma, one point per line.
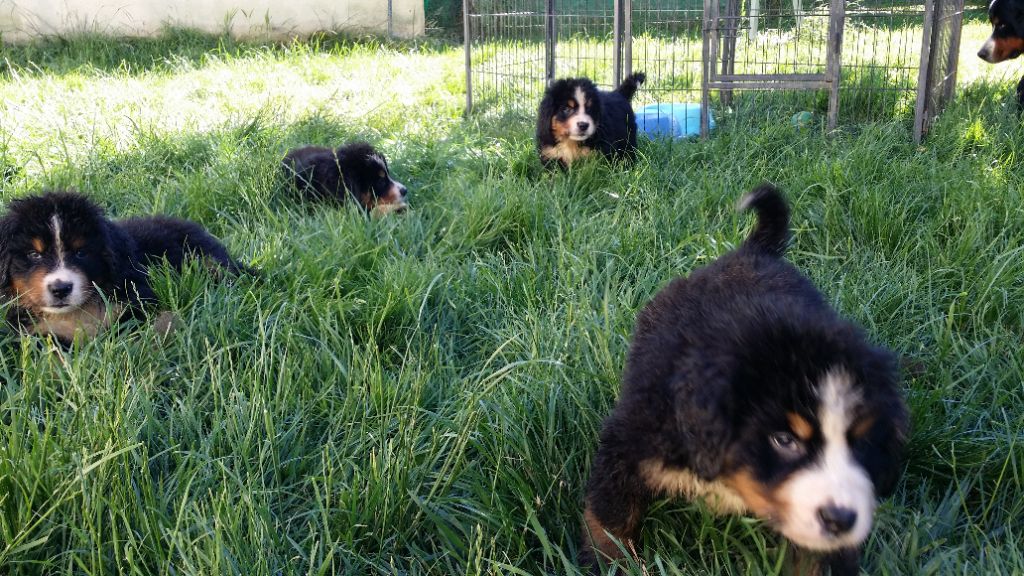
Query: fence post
x=953, y=56
x=731, y=30
x=617, y=43
x=627, y=26
x=834, y=55
x=924, y=73
x=467, y=40
x=706, y=65
x=549, y=44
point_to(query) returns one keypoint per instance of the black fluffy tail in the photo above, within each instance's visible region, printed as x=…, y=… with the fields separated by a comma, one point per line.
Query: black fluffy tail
x=630, y=85
x=771, y=234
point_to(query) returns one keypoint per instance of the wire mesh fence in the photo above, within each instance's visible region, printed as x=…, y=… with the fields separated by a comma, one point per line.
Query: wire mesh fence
x=767, y=58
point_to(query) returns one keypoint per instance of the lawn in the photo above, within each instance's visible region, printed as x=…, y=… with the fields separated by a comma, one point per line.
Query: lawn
x=421, y=394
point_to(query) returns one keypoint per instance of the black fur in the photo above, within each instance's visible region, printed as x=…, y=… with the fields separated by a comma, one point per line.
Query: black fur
x=1007, y=39
x=114, y=256
x=350, y=171
x=612, y=111
x=717, y=359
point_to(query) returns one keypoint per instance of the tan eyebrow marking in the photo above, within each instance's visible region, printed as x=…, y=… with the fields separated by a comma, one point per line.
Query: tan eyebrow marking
x=800, y=426
x=862, y=427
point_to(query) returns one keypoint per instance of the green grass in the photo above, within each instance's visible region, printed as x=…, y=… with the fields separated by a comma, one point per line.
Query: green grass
x=421, y=394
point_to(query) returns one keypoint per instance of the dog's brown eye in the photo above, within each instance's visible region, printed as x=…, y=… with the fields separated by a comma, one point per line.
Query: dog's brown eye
x=82, y=253
x=786, y=444
x=34, y=256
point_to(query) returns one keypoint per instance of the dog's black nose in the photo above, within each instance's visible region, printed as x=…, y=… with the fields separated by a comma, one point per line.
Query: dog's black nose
x=983, y=53
x=403, y=191
x=836, y=519
x=583, y=125
x=60, y=289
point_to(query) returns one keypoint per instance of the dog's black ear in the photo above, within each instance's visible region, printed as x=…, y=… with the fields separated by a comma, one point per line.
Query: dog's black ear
x=888, y=436
x=127, y=273
x=7, y=225
x=1016, y=19
x=892, y=442
x=892, y=437
x=547, y=110
x=704, y=408
x=115, y=254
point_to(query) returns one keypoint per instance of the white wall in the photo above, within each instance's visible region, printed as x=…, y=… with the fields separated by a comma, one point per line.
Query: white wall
x=26, y=19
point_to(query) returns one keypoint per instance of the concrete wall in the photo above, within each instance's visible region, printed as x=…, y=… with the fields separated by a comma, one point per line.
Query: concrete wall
x=25, y=19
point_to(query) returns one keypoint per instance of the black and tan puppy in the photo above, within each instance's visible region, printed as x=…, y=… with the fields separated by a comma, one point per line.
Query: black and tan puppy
x=1007, y=39
x=745, y=389
x=68, y=270
x=575, y=119
x=356, y=171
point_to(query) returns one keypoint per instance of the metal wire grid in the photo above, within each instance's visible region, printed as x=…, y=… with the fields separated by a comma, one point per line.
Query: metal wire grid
x=771, y=60
x=515, y=43
x=673, y=67
x=508, y=44
x=881, y=57
x=585, y=40
x=786, y=42
x=939, y=62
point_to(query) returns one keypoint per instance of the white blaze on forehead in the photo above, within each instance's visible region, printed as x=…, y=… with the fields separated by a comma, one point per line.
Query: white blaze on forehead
x=581, y=101
x=835, y=479
x=838, y=400
x=64, y=274
x=581, y=115
x=58, y=245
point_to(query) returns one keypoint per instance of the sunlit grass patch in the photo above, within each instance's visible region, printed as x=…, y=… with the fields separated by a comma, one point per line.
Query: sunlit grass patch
x=422, y=394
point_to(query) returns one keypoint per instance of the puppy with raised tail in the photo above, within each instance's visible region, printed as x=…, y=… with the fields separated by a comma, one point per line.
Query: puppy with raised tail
x=743, y=388
x=575, y=119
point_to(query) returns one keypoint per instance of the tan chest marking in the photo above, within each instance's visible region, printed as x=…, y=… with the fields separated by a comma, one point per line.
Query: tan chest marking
x=683, y=483
x=86, y=321
x=568, y=151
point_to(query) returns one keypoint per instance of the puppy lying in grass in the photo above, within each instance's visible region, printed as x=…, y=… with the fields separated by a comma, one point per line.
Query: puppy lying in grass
x=357, y=171
x=68, y=271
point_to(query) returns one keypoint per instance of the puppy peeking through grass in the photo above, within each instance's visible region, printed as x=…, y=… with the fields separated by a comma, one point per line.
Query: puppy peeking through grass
x=68, y=271
x=744, y=389
x=354, y=171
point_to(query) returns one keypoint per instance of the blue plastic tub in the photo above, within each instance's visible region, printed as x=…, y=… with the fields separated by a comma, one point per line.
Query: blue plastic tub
x=672, y=120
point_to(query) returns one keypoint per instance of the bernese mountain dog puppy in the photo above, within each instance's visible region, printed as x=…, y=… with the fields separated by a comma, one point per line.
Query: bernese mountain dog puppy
x=355, y=170
x=69, y=271
x=575, y=119
x=1007, y=39
x=743, y=388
